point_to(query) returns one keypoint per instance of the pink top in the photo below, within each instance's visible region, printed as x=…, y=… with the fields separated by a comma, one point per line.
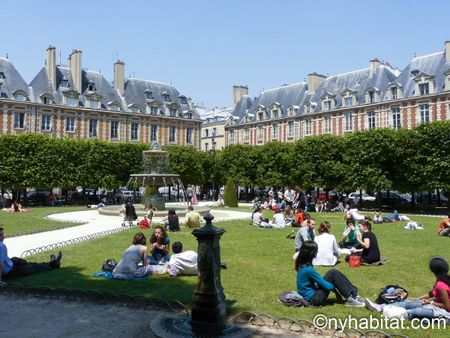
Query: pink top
x=438, y=287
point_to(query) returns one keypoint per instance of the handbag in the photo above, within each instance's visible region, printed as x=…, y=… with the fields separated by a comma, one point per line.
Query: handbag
x=109, y=265
x=354, y=261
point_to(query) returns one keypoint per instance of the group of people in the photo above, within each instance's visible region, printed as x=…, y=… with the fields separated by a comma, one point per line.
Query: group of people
x=138, y=260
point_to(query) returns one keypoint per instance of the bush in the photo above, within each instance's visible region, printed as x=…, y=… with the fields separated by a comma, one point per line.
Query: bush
x=229, y=195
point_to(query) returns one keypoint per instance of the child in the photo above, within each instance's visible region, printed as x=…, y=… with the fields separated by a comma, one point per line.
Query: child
x=378, y=217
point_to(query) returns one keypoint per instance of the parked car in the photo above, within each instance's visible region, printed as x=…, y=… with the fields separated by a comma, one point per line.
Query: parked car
x=38, y=197
x=365, y=196
x=394, y=198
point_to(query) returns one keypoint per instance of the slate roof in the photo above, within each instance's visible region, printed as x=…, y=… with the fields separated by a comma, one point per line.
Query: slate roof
x=432, y=64
x=12, y=80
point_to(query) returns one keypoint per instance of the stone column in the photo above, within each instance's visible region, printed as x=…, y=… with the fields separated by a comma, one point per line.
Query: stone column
x=209, y=308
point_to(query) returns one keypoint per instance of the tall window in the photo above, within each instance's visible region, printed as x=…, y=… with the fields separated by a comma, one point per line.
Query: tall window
x=348, y=101
x=70, y=123
x=93, y=124
x=275, y=131
x=394, y=93
x=260, y=116
x=189, y=132
x=275, y=113
x=46, y=123
x=173, y=112
x=371, y=96
x=19, y=120
x=424, y=89
x=396, y=118
x=214, y=131
x=246, y=135
x=135, y=131
x=348, y=121
x=153, y=132
x=206, y=132
x=327, y=105
x=232, y=136
x=172, y=134
x=260, y=133
x=290, y=129
x=308, y=127
x=326, y=124
x=424, y=113
x=114, y=130
x=371, y=123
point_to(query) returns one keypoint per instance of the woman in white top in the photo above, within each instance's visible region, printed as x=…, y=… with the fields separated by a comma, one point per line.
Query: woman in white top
x=128, y=267
x=257, y=218
x=328, y=253
x=278, y=220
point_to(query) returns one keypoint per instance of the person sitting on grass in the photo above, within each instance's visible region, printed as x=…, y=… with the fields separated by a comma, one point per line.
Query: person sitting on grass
x=278, y=221
x=193, y=218
x=444, y=227
x=377, y=217
x=297, y=222
x=18, y=267
x=129, y=265
x=171, y=221
x=258, y=219
x=159, y=247
x=314, y=288
x=422, y=307
x=182, y=262
x=328, y=253
x=305, y=233
x=370, y=251
x=349, y=239
x=288, y=215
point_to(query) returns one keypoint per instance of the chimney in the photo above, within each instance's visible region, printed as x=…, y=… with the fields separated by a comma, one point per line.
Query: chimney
x=314, y=81
x=74, y=62
x=447, y=51
x=50, y=66
x=239, y=92
x=373, y=65
x=119, y=76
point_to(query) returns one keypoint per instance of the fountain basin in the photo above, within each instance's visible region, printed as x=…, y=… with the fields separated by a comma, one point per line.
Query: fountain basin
x=180, y=209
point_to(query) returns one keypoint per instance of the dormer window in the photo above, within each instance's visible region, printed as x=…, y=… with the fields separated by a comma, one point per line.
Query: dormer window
x=260, y=116
x=72, y=101
x=114, y=106
x=93, y=103
x=189, y=116
x=424, y=88
x=292, y=110
x=371, y=96
x=183, y=99
x=173, y=112
x=46, y=100
x=135, y=108
x=153, y=110
x=2, y=76
x=414, y=72
x=20, y=96
x=275, y=113
x=65, y=82
x=91, y=87
x=148, y=94
x=394, y=94
x=349, y=101
x=327, y=105
x=166, y=96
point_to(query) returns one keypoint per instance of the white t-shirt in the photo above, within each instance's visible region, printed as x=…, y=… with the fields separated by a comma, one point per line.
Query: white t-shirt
x=278, y=221
x=183, y=263
x=256, y=219
x=355, y=215
x=328, y=253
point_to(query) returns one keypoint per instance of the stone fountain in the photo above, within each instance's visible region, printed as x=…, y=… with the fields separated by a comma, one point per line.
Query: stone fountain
x=154, y=178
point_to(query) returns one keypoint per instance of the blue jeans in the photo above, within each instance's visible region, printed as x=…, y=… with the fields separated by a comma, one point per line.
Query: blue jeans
x=415, y=309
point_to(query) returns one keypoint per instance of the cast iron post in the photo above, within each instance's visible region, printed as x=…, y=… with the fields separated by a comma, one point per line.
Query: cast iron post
x=209, y=308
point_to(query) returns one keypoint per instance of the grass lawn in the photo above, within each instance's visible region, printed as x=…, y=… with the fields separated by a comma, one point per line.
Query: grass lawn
x=16, y=223
x=260, y=267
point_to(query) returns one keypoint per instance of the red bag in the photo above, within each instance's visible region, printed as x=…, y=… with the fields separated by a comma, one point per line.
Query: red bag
x=354, y=261
x=144, y=224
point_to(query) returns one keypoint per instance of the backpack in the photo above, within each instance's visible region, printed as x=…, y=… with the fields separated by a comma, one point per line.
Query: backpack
x=109, y=265
x=392, y=294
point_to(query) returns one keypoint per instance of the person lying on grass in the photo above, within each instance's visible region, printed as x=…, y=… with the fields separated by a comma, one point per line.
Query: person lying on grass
x=18, y=267
x=314, y=288
x=422, y=307
x=182, y=262
x=129, y=265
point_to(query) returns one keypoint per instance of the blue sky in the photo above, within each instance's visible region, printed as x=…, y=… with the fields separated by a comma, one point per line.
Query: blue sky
x=205, y=47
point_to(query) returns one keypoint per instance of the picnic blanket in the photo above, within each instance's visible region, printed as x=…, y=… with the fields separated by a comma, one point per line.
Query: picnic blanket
x=382, y=261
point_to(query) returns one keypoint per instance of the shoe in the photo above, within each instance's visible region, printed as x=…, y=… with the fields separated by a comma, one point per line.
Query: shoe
x=360, y=299
x=371, y=306
x=353, y=302
x=58, y=258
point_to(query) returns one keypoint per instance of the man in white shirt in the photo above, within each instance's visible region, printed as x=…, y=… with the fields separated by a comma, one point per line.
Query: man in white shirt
x=289, y=196
x=182, y=262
